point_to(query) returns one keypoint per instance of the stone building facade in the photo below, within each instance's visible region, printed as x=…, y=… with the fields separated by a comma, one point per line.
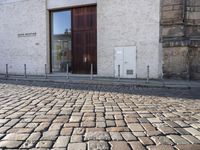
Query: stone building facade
x=161, y=34
x=25, y=35
x=180, y=35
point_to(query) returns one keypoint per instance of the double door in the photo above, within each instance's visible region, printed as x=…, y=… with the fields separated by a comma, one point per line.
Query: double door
x=125, y=62
x=74, y=40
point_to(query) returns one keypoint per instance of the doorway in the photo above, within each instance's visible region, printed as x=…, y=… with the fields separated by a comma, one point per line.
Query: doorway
x=125, y=62
x=74, y=40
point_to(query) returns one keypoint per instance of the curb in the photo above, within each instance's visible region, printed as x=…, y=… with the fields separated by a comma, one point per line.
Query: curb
x=109, y=83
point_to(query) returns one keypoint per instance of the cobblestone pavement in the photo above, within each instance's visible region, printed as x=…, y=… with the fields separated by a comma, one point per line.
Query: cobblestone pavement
x=37, y=115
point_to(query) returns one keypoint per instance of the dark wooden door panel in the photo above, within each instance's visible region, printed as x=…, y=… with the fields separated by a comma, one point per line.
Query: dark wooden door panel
x=84, y=45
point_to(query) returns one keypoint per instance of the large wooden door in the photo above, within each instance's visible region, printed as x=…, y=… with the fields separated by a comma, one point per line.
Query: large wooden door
x=84, y=39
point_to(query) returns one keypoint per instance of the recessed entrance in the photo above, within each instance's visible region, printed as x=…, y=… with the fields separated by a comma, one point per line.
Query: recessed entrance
x=74, y=40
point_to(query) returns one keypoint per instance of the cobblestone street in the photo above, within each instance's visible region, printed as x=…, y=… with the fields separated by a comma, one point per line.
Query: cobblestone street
x=41, y=115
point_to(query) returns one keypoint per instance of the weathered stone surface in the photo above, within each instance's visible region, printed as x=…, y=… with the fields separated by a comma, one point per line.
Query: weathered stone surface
x=44, y=144
x=162, y=140
x=116, y=136
x=94, y=145
x=191, y=139
x=10, y=144
x=76, y=138
x=119, y=145
x=38, y=130
x=145, y=141
x=50, y=135
x=137, y=145
x=188, y=147
x=77, y=146
x=62, y=141
x=193, y=131
x=15, y=137
x=161, y=147
x=136, y=127
x=66, y=131
x=178, y=139
x=98, y=135
x=128, y=136
x=167, y=130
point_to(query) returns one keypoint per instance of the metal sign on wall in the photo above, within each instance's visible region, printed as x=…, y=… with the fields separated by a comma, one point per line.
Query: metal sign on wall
x=26, y=35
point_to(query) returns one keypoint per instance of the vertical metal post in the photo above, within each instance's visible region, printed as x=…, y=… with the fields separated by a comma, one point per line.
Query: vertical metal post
x=91, y=76
x=118, y=72
x=67, y=71
x=25, y=75
x=6, y=71
x=148, y=74
x=46, y=71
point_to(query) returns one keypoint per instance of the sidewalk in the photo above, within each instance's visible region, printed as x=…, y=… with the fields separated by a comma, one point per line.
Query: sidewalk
x=86, y=79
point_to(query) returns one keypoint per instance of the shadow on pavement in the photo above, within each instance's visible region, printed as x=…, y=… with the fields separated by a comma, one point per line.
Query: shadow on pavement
x=193, y=93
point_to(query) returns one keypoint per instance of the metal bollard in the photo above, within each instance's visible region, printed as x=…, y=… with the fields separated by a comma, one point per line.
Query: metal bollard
x=6, y=71
x=118, y=72
x=67, y=71
x=45, y=71
x=25, y=75
x=148, y=74
x=91, y=76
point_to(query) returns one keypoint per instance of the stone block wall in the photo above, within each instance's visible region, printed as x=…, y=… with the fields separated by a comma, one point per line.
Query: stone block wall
x=180, y=35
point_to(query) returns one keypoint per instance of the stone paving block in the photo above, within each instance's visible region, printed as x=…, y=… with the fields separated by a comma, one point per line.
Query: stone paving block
x=100, y=124
x=136, y=127
x=4, y=129
x=182, y=131
x=76, y=139
x=193, y=131
x=166, y=130
x=88, y=124
x=139, y=134
x=61, y=142
x=66, y=131
x=98, y=145
x=119, y=145
x=145, y=141
x=154, y=120
x=116, y=136
x=72, y=125
x=79, y=131
x=16, y=137
x=98, y=135
x=117, y=129
x=178, y=139
x=44, y=144
x=136, y=145
x=161, y=147
x=128, y=136
x=77, y=146
x=42, y=127
x=75, y=119
x=3, y=121
x=10, y=144
x=188, y=147
x=191, y=139
x=148, y=127
x=153, y=133
x=162, y=140
x=35, y=136
x=50, y=135
x=55, y=126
